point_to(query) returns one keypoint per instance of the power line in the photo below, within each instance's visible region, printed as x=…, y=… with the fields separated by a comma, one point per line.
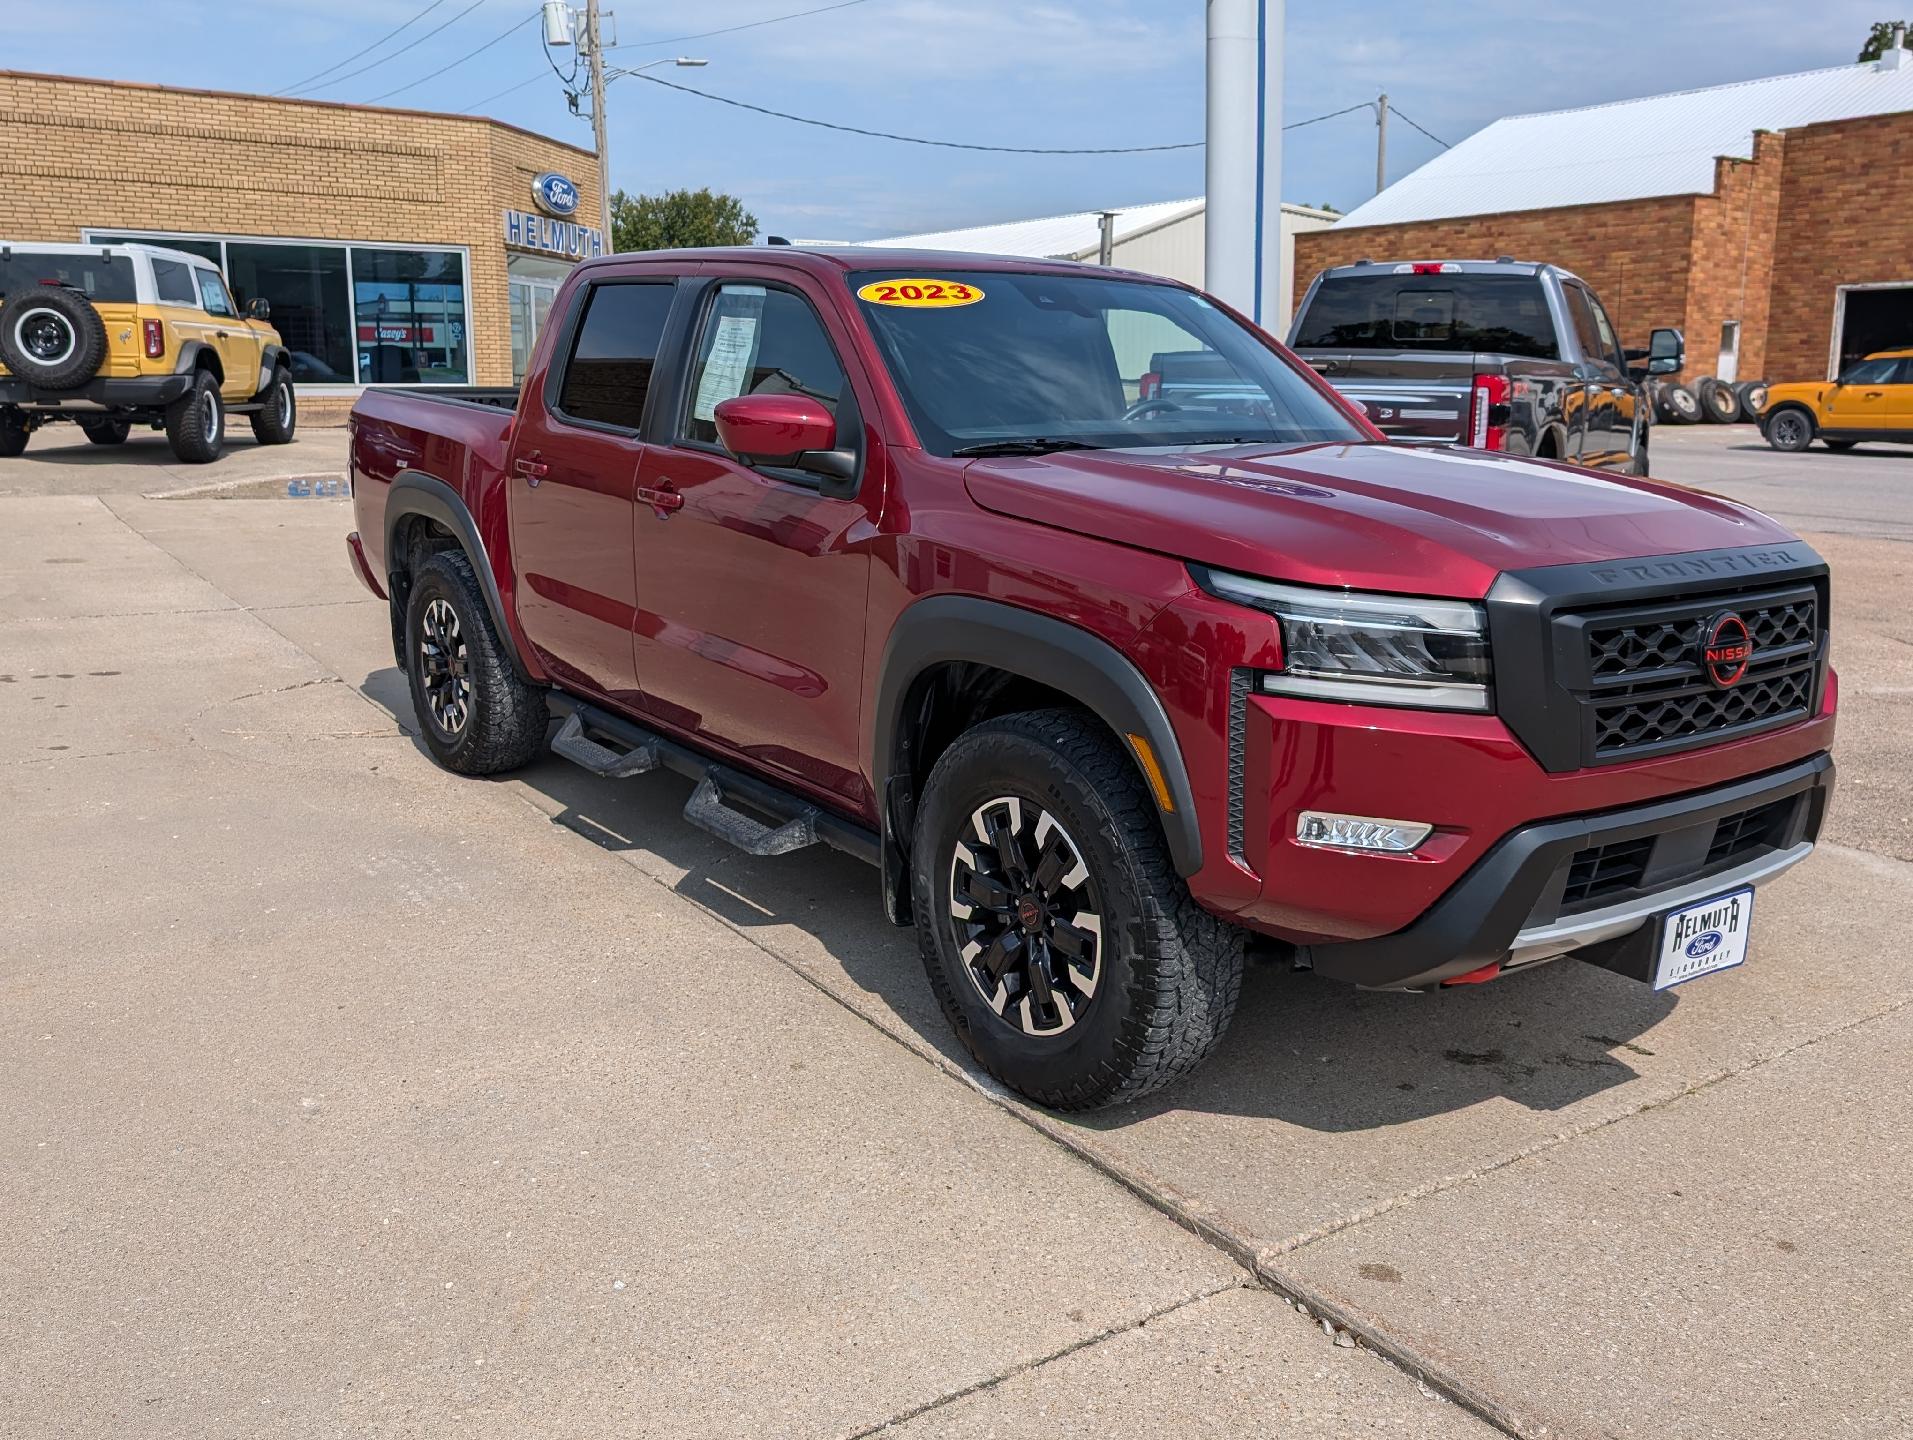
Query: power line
x=468, y=55
x=500, y=95
x=961, y=144
x=301, y=84
x=1317, y=119
x=1436, y=138
x=914, y=139
x=388, y=59
x=733, y=29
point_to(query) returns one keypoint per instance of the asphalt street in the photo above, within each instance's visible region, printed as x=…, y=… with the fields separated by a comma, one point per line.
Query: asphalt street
x=341, y=1096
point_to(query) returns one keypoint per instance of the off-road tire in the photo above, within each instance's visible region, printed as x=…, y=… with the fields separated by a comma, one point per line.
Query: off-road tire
x=1753, y=399
x=73, y=322
x=506, y=720
x=13, y=433
x=277, y=418
x=1790, y=429
x=195, y=431
x=1719, y=404
x=1637, y=467
x=106, y=432
x=1170, y=972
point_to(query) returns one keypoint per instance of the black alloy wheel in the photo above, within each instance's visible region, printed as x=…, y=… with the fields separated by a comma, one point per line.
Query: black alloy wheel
x=1790, y=430
x=444, y=671
x=1027, y=921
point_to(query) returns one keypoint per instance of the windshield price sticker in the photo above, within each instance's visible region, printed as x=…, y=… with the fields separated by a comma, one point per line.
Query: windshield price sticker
x=918, y=294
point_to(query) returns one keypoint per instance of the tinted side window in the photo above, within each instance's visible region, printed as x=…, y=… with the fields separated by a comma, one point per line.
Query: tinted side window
x=1904, y=375
x=1499, y=314
x=212, y=293
x=173, y=282
x=759, y=341
x=1610, y=347
x=1872, y=372
x=609, y=371
x=1582, y=314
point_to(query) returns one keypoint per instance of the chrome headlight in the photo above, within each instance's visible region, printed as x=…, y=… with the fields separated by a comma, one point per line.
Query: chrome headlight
x=1369, y=649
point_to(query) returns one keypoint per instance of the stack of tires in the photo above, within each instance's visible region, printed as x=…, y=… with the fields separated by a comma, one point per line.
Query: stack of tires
x=1716, y=402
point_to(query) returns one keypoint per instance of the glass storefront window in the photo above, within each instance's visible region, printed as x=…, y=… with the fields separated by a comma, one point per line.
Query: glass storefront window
x=356, y=314
x=410, y=307
x=311, y=309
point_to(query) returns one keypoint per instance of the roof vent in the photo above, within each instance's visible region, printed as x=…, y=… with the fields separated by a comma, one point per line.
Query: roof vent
x=1894, y=56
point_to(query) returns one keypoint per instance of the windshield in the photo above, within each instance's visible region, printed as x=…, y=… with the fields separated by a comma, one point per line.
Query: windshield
x=104, y=278
x=999, y=362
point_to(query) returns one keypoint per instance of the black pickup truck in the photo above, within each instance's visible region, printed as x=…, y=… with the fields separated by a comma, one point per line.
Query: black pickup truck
x=1495, y=354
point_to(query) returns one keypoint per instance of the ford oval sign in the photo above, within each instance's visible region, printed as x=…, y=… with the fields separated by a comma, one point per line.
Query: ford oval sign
x=1705, y=944
x=555, y=194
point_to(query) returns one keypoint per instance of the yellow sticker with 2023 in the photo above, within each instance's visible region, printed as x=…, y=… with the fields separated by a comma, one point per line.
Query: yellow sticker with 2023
x=920, y=294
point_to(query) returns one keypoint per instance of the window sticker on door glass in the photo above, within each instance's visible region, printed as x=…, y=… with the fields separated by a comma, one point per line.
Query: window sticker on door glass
x=920, y=294
x=733, y=346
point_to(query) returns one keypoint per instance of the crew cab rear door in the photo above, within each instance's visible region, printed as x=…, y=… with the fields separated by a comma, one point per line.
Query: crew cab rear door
x=573, y=480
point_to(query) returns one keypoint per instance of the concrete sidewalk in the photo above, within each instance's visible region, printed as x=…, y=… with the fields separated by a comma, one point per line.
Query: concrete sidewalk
x=342, y=1096
x=1561, y=1197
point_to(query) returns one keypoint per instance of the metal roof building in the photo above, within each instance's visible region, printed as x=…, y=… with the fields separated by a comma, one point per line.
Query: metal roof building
x=1766, y=219
x=1628, y=149
x=1164, y=238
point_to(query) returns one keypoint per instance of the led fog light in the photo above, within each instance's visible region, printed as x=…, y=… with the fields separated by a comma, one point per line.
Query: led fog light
x=1359, y=832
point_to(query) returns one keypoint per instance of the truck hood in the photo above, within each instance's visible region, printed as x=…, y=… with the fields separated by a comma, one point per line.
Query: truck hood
x=1368, y=516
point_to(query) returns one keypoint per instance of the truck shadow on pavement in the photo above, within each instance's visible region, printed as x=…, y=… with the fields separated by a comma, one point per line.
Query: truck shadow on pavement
x=1302, y=1051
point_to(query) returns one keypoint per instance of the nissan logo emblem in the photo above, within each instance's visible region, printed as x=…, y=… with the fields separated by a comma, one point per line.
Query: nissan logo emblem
x=1726, y=649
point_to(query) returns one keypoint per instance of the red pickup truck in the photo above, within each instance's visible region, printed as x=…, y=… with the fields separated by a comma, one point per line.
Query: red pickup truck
x=913, y=555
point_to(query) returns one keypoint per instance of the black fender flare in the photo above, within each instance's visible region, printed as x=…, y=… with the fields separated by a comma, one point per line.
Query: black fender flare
x=948, y=628
x=189, y=354
x=270, y=359
x=416, y=493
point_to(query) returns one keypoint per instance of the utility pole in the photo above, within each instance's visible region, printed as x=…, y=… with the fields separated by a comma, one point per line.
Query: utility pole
x=1381, y=143
x=597, y=120
x=1106, y=238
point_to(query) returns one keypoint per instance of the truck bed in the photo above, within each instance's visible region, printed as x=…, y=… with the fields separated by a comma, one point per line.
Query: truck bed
x=499, y=397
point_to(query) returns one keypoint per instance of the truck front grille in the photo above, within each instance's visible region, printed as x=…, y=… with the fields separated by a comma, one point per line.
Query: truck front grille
x=1648, y=691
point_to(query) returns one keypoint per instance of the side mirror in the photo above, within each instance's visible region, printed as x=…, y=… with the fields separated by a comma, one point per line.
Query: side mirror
x=1666, y=352
x=258, y=309
x=787, y=430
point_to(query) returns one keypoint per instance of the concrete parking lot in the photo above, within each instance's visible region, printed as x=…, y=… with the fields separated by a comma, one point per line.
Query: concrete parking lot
x=340, y=1096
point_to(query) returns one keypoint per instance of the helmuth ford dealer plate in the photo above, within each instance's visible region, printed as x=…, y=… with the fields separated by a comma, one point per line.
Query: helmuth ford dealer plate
x=1704, y=938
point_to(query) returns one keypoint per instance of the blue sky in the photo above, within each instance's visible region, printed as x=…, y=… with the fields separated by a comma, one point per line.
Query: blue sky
x=1031, y=72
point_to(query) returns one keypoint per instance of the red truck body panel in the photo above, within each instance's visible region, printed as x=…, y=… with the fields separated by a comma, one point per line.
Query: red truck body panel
x=756, y=614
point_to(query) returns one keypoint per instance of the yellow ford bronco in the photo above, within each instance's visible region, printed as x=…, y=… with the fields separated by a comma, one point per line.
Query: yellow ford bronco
x=113, y=336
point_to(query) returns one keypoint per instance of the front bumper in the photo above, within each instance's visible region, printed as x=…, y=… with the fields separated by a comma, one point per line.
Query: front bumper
x=136, y=392
x=1513, y=905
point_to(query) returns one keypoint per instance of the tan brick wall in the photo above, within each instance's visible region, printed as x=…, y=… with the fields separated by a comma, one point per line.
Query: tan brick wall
x=1634, y=255
x=96, y=154
x=1846, y=207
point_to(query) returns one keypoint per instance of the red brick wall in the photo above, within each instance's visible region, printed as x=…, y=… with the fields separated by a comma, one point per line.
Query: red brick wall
x=1846, y=217
x=1730, y=271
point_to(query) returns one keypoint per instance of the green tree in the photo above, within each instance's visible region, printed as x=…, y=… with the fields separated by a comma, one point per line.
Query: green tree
x=679, y=219
x=1881, y=38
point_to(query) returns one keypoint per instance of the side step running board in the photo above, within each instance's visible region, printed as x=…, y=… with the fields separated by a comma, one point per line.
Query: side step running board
x=794, y=822
x=580, y=749
x=706, y=810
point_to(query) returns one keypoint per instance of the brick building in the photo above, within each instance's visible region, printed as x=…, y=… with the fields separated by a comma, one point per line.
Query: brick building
x=1767, y=220
x=394, y=246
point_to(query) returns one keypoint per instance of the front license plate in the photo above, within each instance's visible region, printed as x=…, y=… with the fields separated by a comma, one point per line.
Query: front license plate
x=1704, y=938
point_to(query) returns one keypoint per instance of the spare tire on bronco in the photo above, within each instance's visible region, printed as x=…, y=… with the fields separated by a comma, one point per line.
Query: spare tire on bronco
x=51, y=337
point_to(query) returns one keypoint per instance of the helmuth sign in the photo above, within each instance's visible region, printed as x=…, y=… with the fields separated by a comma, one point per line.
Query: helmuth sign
x=525, y=231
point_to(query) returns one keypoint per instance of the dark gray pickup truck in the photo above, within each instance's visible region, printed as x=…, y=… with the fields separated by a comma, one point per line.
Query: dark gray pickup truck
x=1494, y=354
